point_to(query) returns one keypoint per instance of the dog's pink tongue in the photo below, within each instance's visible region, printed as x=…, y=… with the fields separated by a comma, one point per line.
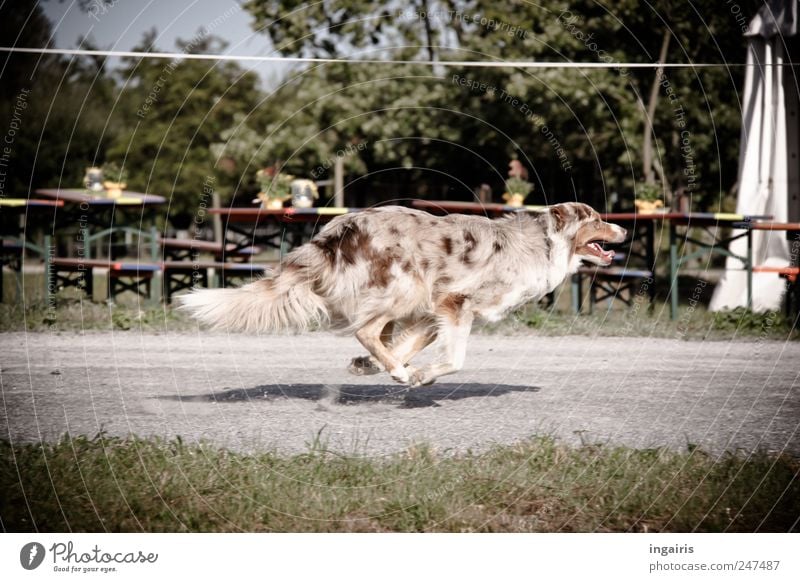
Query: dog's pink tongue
x=609, y=255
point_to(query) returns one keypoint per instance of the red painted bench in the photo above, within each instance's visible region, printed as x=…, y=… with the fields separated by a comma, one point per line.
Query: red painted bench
x=178, y=249
x=62, y=272
x=182, y=275
x=788, y=273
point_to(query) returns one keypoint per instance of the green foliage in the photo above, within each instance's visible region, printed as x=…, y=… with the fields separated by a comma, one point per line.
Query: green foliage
x=746, y=322
x=421, y=129
x=518, y=186
x=113, y=172
x=275, y=184
x=648, y=192
x=457, y=134
x=60, y=124
x=175, y=110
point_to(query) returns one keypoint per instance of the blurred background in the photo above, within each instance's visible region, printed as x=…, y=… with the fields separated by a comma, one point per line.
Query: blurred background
x=407, y=131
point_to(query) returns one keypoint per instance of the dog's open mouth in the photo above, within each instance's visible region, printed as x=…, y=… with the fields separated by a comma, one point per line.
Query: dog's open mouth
x=594, y=248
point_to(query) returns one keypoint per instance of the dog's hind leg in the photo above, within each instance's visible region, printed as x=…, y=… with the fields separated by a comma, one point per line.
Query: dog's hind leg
x=368, y=365
x=455, y=324
x=370, y=337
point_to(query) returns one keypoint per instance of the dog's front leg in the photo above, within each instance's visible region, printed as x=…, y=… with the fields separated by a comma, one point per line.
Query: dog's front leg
x=404, y=346
x=454, y=329
x=370, y=338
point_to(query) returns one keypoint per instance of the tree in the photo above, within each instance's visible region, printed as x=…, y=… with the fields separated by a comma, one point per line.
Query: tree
x=173, y=110
x=59, y=126
x=582, y=133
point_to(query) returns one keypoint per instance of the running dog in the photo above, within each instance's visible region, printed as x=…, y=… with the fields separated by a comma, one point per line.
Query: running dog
x=399, y=278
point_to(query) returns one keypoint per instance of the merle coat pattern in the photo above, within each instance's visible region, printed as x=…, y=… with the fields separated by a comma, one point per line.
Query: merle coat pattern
x=400, y=278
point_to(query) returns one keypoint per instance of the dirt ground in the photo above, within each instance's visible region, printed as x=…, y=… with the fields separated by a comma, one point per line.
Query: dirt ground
x=283, y=392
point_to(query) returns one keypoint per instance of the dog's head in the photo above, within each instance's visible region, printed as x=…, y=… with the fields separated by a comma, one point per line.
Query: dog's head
x=581, y=224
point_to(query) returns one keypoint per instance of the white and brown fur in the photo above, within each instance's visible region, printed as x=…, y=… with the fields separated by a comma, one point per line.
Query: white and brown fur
x=400, y=278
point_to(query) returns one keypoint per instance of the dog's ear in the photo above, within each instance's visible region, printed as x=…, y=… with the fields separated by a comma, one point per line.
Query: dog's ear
x=560, y=216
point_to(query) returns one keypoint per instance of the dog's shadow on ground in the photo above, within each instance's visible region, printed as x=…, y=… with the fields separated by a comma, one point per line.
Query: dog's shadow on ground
x=353, y=394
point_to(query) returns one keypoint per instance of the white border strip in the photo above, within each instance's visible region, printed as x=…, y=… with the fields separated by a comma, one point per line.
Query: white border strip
x=380, y=556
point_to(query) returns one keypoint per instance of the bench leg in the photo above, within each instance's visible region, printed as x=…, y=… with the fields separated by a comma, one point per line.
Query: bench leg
x=88, y=283
x=577, y=293
x=673, y=273
x=154, y=288
x=749, y=268
x=651, y=260
x=49, y=272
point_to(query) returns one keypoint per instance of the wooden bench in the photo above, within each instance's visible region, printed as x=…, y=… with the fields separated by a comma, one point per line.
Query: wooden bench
x=12, y=257
x=179, y=249
x=791, y=274
x=183, y=275
x=610, y=282
x=788, y=273
x=137, y=277
x=62, y=272
x=792, y=230
x=614, y=282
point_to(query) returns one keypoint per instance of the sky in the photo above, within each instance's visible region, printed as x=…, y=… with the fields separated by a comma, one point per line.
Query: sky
x=120, y=25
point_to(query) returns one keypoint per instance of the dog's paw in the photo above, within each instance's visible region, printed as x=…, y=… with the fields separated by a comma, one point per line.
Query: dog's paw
x=363, y=366
x=402, y=374
x=418, y=378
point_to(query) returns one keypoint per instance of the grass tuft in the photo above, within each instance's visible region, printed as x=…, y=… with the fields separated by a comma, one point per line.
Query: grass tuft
x=133, y=484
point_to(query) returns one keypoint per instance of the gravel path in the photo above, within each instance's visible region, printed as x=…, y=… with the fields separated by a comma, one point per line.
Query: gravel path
x=279, y=392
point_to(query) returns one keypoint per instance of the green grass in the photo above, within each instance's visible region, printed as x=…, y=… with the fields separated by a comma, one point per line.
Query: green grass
x=74, y=315
x=131, y=485
x=698, y=324
x=642, y=320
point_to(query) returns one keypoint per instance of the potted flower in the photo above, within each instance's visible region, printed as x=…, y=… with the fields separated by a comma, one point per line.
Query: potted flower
x=116, y=180
x=517, y=190
x=648, y=198
x=275, y=188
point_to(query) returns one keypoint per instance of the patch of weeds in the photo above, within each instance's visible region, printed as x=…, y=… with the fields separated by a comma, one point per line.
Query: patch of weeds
x=744, y=321
x=134, y=484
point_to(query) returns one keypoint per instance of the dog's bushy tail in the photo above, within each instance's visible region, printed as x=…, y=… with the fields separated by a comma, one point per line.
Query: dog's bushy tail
x=286, y=302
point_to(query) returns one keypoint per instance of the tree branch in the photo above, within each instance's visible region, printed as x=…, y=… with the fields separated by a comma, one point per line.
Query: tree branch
x=649, y=113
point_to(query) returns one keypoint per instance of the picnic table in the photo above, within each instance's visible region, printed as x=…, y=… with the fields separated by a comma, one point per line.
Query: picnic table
x=791, y=272
x=93, y=215
x=89, y=198
x=179, y=249
x=276, y=228
x=21, y=223
x=18, y=215
x=489, y=209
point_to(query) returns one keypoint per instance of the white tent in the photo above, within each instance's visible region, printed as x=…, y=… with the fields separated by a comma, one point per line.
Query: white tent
x=767, y=167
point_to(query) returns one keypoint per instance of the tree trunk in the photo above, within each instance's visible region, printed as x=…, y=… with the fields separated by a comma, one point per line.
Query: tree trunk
x=428, y=31
x=647, y=142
